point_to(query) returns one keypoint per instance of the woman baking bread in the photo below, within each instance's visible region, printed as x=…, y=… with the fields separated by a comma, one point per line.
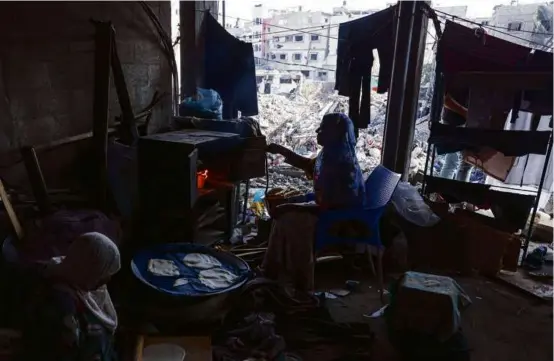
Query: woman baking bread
x=338, y=183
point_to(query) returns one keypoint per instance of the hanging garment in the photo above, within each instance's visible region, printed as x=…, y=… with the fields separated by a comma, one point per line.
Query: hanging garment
x=461, y=50
x=357, y=39
x=229, y=69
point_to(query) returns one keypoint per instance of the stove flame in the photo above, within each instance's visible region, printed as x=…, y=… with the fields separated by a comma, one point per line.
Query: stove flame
x=201, y=177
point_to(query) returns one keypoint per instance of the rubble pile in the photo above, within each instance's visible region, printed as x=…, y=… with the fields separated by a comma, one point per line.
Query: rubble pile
x=292, y=119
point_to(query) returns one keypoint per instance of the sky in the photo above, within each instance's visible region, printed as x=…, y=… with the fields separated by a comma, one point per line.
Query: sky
x=476, y=8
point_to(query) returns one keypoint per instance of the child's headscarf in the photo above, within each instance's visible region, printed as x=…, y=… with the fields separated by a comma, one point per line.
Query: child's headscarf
x=91, y=259
x=338, y=180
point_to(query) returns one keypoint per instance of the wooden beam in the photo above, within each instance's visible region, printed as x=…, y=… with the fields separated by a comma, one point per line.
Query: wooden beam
x=11, y=213
x=38, y=185
x=104, y=38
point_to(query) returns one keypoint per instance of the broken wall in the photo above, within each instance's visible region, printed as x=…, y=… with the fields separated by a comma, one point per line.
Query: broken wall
x=47, y=71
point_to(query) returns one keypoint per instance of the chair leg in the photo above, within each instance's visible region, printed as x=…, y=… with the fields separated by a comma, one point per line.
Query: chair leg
x=380, y=276
x=370, y=257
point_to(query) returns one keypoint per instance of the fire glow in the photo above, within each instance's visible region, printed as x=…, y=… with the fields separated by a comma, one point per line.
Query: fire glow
x=201, y=178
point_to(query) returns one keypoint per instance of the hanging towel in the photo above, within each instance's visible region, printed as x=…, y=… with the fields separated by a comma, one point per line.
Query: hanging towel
x=229, y=69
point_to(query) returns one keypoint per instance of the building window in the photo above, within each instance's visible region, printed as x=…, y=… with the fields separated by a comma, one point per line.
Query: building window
x=299, y=38
x=283, y=56
x=313, y=56
x=285, y=81
x=515, y=26
x=322, y=75
x=268, y=30
x=288, y=38
x=258, y=21
x=314, y=37
x=256, y=35
x=297, y=56
x=276, y=39
x=273, y=56
x=306, y=73
x=485, y=22
x=326, y=20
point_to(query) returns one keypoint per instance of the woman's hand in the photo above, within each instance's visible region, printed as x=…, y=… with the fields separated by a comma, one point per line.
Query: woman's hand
x=273, y=148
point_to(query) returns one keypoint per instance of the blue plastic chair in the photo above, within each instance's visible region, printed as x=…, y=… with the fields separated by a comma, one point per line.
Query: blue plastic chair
x=379, y=187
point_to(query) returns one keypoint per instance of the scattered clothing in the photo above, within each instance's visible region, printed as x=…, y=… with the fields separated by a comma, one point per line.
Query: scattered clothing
x=254, y=338
x=357, y=39
x=535, y=260
x=229, y=69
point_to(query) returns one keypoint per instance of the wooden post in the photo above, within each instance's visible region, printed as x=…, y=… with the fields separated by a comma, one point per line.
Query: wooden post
x=36, y=179
x=104, y=38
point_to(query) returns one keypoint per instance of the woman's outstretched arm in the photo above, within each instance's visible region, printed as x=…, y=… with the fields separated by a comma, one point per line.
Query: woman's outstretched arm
x=296, y=160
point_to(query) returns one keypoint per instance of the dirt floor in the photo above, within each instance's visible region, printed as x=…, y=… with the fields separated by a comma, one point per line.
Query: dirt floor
x=502, y=324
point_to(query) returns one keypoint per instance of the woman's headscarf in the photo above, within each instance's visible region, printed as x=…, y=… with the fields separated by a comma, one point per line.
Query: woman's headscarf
x=338, y=179
x=91, y=259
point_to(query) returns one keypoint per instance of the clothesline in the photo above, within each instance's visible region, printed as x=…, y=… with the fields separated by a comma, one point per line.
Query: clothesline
x=511, y=35
x=489, y=26
x=279, y=26
x=323, y=27
x=298, y=64
x=454, y=17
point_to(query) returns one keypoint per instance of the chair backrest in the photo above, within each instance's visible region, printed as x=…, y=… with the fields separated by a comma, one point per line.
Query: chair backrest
x=380, y=186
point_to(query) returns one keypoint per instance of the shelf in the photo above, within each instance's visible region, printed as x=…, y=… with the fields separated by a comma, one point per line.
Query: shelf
x=509, y=142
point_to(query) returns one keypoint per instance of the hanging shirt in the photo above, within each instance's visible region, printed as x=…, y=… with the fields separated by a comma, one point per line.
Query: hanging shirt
x=229, y=69
x=357, y=39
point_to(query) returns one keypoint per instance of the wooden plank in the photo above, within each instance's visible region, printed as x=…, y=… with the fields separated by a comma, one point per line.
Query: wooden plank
x=128, y=129
x=38, y=185
x=11, y=213
x=104, y=38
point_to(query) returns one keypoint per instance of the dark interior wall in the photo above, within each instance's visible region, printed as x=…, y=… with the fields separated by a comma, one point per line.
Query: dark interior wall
x=47, y=67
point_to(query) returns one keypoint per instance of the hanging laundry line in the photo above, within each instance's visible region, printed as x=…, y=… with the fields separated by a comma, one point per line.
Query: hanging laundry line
x=487, y=25
x=282, y=27
x=322, y=27
x=454, y=18
x=287, y=63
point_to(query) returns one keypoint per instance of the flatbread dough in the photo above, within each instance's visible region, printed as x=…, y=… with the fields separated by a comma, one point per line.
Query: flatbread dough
x=163, y=267
x=217, y=278
x=201, y=261
x=180, y=282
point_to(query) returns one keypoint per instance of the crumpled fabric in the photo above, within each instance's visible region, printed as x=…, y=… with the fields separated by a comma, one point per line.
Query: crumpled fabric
x=338, y=179
x=254, y=338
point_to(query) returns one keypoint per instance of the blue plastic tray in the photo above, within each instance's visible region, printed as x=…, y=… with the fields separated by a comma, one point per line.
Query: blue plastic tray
x=176, y=252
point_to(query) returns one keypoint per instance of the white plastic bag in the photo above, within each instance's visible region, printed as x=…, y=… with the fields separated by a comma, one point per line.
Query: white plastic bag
x=410, y=205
